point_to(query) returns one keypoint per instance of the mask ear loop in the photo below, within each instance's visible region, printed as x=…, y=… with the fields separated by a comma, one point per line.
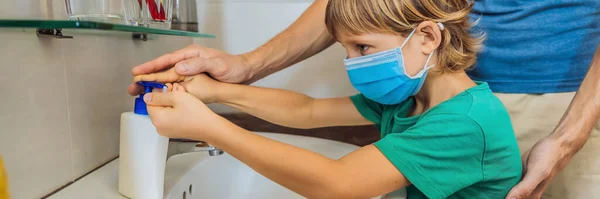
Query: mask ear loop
x=425, y=68
x=426, y=62
x=430, y=55
x=408, y=38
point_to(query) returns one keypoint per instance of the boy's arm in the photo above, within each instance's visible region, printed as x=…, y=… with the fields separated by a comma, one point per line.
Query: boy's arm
x=289, y=108
x=364, y=173
x=278, y=106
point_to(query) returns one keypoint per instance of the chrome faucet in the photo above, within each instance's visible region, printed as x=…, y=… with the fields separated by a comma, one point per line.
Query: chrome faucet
x=212, y=151
x=180, y=146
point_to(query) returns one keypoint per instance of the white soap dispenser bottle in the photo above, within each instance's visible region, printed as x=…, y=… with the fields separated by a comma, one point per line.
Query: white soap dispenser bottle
x=143, y=152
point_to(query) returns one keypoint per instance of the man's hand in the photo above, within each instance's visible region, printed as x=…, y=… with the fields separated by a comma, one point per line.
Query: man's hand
x=541, y=164
x=194, y=60
x=550, y=155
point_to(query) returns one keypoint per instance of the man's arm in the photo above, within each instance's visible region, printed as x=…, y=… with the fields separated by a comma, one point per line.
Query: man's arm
x=306, y=37
x=583, y=113
x=550, y=155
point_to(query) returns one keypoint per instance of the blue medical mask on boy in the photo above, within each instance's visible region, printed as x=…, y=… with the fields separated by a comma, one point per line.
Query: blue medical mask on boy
x=382, y=76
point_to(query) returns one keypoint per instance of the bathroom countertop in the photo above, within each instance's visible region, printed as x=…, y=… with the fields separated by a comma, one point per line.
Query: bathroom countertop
x=100, y=184
x=103, y=183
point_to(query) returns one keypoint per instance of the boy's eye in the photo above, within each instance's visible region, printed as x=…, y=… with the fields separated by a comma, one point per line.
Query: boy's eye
x=362, y=47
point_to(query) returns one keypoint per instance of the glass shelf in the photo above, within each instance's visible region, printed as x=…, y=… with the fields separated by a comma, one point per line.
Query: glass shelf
x=64, y=24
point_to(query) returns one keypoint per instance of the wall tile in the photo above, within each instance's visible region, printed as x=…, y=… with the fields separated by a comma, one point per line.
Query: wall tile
x=28, y=9
x=98, y=70
x=158, y=45
x=34, y=132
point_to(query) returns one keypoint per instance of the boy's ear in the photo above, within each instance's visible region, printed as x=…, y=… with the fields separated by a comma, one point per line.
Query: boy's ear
x=432, y=36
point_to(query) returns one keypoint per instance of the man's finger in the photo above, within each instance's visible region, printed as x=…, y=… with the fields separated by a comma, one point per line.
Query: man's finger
x=166, y=61
x=522, y=190
x=519, y=192
x=196, y=66
x=160, y=99
x=539, y=190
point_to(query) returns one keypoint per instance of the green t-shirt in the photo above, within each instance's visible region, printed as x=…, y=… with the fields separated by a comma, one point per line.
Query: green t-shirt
x=464, y=147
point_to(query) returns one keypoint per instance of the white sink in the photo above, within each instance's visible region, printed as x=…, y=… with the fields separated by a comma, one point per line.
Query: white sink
x=199, y=176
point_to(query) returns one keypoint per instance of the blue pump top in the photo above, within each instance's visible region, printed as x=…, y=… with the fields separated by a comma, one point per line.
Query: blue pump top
x=140, y=106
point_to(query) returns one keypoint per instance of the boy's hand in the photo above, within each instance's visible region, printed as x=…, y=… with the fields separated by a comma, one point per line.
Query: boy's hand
x=180, y=115
x=202, y=87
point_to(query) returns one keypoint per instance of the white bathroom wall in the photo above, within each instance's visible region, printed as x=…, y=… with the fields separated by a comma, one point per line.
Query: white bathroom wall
x=61, y=103
x=243, y=25
x=61, y=99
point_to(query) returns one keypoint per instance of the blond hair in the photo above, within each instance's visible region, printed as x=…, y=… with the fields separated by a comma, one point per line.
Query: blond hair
x=458, y=47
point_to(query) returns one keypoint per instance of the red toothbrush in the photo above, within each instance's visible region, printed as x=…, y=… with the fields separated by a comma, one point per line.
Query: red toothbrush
x=157, y=13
